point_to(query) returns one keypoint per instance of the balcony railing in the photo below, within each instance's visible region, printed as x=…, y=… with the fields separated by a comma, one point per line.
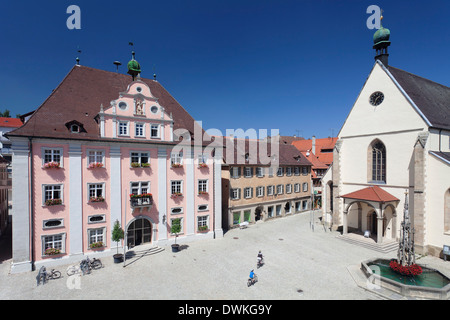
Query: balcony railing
x=141, y=201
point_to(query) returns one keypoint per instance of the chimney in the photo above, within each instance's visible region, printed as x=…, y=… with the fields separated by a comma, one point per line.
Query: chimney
x=313, y=144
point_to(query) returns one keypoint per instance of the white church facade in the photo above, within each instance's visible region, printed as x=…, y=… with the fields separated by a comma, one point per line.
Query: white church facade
x=394, y=146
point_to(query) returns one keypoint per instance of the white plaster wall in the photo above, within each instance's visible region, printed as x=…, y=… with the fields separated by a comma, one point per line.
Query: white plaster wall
x=437, y=183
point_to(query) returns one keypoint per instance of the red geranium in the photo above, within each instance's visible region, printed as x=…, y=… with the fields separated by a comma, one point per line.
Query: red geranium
x=412, y=270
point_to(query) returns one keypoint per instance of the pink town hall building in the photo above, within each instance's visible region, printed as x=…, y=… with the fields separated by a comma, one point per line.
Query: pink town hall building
x=104, y=147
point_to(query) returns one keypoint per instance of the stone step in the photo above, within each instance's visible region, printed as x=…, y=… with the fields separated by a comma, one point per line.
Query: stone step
x=384, y=247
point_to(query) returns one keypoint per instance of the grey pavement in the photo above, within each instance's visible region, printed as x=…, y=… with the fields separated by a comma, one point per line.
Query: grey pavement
x=299, y=264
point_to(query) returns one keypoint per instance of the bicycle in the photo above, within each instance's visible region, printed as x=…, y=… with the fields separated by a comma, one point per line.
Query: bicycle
x=86, y=265
x=44, y=276
x=252, y=281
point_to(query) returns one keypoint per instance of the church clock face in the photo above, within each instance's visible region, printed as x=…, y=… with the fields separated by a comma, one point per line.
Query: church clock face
x=376, y=98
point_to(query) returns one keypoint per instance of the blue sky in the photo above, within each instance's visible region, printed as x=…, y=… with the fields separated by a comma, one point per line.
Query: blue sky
x=296, y=66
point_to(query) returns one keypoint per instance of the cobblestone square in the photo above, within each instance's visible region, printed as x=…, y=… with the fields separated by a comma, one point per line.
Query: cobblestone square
x=299, y=264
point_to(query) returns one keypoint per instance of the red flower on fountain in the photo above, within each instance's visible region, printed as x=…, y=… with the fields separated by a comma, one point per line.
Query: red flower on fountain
x=412, y=270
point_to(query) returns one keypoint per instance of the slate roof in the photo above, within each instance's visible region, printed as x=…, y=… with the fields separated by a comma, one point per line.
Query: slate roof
x=79, y=96
x=287, y=153
x=442, y=155
x=372, y=193
x=433, y=99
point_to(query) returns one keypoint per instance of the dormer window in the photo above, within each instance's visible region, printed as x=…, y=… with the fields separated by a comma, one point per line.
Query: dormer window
x=75, y=126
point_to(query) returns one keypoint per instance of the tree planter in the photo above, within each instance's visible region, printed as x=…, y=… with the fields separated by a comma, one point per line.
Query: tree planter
x=118, y=258
x=175, y=247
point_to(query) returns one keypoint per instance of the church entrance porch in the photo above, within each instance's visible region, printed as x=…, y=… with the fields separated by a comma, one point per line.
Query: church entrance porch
x=370, y=212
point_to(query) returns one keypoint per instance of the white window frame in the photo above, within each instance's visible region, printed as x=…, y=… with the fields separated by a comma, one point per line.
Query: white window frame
x=98, y=156
x=280, y=189
x=123, y=124
x=203, y=185
x=96, y=186
x=44, y=192
x=203, y=221
x=176, y=186
x=259, y=172
x=296, y=171
x=176, y=158
x=305, y=187
x=54, y=241
x=235, y=193
x=139, y=155
x=52, y=155
x=297, y=187
x=260, y=191
x=99, y=233
x=202, y=158
x=140, y=134
x=280, y=172
x=288, y=188
x=248, y=172
x=270, y=190
x=158, y=131
x=141, y=185
x=288, y=171
x=248, y=192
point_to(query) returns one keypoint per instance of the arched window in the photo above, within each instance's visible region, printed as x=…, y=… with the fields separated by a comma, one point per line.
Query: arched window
x=377, y=154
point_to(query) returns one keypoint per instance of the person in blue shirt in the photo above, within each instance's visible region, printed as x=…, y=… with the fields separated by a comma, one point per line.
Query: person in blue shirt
x=252, y=274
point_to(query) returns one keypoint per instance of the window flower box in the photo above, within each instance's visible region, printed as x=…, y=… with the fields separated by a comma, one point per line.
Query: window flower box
x=94, y=165
x=51, y=252
x=203, y=228
x=96, y=245
x=53, y=202
x=202, y=165
x=200, y=193
x=52, y=165
x=176, y=195
x=141, y=200
x=97, y=199
x=177, y=165
x=140, y=165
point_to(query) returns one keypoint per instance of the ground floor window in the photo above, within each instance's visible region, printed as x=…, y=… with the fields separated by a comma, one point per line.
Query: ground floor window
x=236, y=217
x=278, y=210
x=53, y=244
x=247, y=215
x=96, y=238
x=298, y=206
x=270, y=211
x=202, y=223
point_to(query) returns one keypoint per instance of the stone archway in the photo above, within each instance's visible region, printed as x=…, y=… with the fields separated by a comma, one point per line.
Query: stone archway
x=259, y=213
x=139, y=231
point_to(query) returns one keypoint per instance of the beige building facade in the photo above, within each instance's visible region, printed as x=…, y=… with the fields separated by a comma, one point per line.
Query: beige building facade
x=253, y=192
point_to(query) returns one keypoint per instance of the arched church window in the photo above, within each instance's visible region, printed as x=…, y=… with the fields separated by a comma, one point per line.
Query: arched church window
x=378, y=155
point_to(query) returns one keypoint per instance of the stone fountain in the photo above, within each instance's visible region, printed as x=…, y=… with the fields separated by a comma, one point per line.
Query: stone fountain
x=403, y=275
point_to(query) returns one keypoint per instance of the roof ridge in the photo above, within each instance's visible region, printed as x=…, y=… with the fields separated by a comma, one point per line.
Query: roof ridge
x=417, y=76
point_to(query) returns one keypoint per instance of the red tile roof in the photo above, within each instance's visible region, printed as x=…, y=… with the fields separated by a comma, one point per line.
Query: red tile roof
x=321, y=145
x=10, y=122
x=372, y=193
x=79, y=96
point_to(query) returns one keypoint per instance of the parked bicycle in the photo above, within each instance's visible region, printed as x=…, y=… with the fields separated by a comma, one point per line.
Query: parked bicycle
x=85, y=267
x=43, y=276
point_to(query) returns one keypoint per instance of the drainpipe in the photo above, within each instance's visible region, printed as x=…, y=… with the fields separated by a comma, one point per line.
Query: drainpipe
x=31, y=188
